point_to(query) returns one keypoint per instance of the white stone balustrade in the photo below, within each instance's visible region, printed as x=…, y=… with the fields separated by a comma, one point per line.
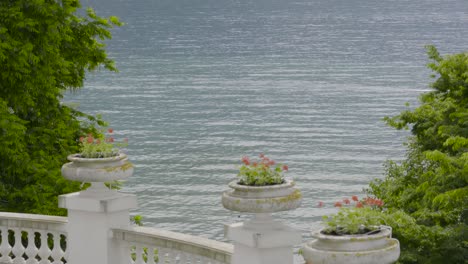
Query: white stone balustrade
x=32, y=239
x=139, y=245
x=149, y=246
x=143, y=245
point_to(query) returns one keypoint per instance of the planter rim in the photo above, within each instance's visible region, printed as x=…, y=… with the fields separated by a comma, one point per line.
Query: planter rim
x=286, y=184
x=77, y=158
x=385, y=231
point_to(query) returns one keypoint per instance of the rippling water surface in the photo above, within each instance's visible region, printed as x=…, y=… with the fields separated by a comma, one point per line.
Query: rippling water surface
x=204, y=82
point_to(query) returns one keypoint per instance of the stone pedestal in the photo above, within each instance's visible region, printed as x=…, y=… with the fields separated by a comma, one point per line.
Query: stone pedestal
x=262, y=241
x=91, y=216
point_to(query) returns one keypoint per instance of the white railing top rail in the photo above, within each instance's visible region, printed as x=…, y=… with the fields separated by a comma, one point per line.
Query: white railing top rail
x=33, y=221
x=216, y=251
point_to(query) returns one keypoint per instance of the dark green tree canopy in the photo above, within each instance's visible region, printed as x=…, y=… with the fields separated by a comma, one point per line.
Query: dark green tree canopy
x=431, y=184
x=45, y=49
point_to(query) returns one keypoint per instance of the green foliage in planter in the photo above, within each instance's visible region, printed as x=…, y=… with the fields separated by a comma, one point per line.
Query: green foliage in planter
x=262, y=172
x=430, y=185
x=355, y=221
x=352, y=221
x=45, y=49
x=104, y=146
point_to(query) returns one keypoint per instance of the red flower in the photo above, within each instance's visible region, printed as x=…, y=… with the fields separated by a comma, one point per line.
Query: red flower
x=110, y=130
x=369, y=201
x=379, y=202
x=320, y=204
x=246, y=160
x=338, y=204
x=354, y=198
x=346, y=201
x=359, y=205
x=90, y=139
x=271, y=163
x=285, y=167
x=81, y=139
x=373, y=201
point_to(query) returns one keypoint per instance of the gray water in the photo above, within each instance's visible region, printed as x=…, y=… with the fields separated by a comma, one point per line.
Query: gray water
x=204, y=82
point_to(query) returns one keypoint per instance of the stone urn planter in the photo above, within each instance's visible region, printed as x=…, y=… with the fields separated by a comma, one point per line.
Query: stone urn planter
x=97, y=171
x=262, y=199
x=262, y=239
x=262, y=190
x=377, y=247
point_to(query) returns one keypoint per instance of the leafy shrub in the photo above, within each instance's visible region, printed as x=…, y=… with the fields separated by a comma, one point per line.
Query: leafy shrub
x=430, y=185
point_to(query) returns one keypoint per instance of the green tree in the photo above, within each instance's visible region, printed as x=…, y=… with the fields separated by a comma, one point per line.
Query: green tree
x=45, y=49
x=430, y=185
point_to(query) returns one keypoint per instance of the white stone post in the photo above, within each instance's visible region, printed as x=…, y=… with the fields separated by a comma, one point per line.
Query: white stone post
x=91, y=216
x=262, y=240
x=94, y=212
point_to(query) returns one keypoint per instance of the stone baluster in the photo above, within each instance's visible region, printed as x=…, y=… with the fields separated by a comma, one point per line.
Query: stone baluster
x=31, y=249
x=5, y=247
x=139, y=254
x=18, y=249
x=150, y=256
x=44, y=250
x=57, y=253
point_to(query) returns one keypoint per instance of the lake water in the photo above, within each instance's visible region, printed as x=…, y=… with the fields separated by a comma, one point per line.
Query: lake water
x=204, y=82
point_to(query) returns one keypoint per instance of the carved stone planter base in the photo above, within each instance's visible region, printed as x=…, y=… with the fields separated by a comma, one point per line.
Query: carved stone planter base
x=353, y=249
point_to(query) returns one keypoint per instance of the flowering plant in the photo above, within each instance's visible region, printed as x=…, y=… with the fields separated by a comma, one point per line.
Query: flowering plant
x=262, y=172
x=103, y=146
x=356, y=216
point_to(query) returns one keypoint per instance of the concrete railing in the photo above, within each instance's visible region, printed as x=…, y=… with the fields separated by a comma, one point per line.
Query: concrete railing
x=149, y=246
x=28, y=238
x=43, y=241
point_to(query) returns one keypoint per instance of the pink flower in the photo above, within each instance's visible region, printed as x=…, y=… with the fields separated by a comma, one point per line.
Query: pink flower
x=271, y=162
x=110, y=130
x=111, y=139
x=338, y=204
x=320, y=204
x=90, y=139
x=346, y=201
x=82, y=139
x=246, y=160
x=379, y=202
x=285, y=167
x=261, y=155
x=373, y=201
